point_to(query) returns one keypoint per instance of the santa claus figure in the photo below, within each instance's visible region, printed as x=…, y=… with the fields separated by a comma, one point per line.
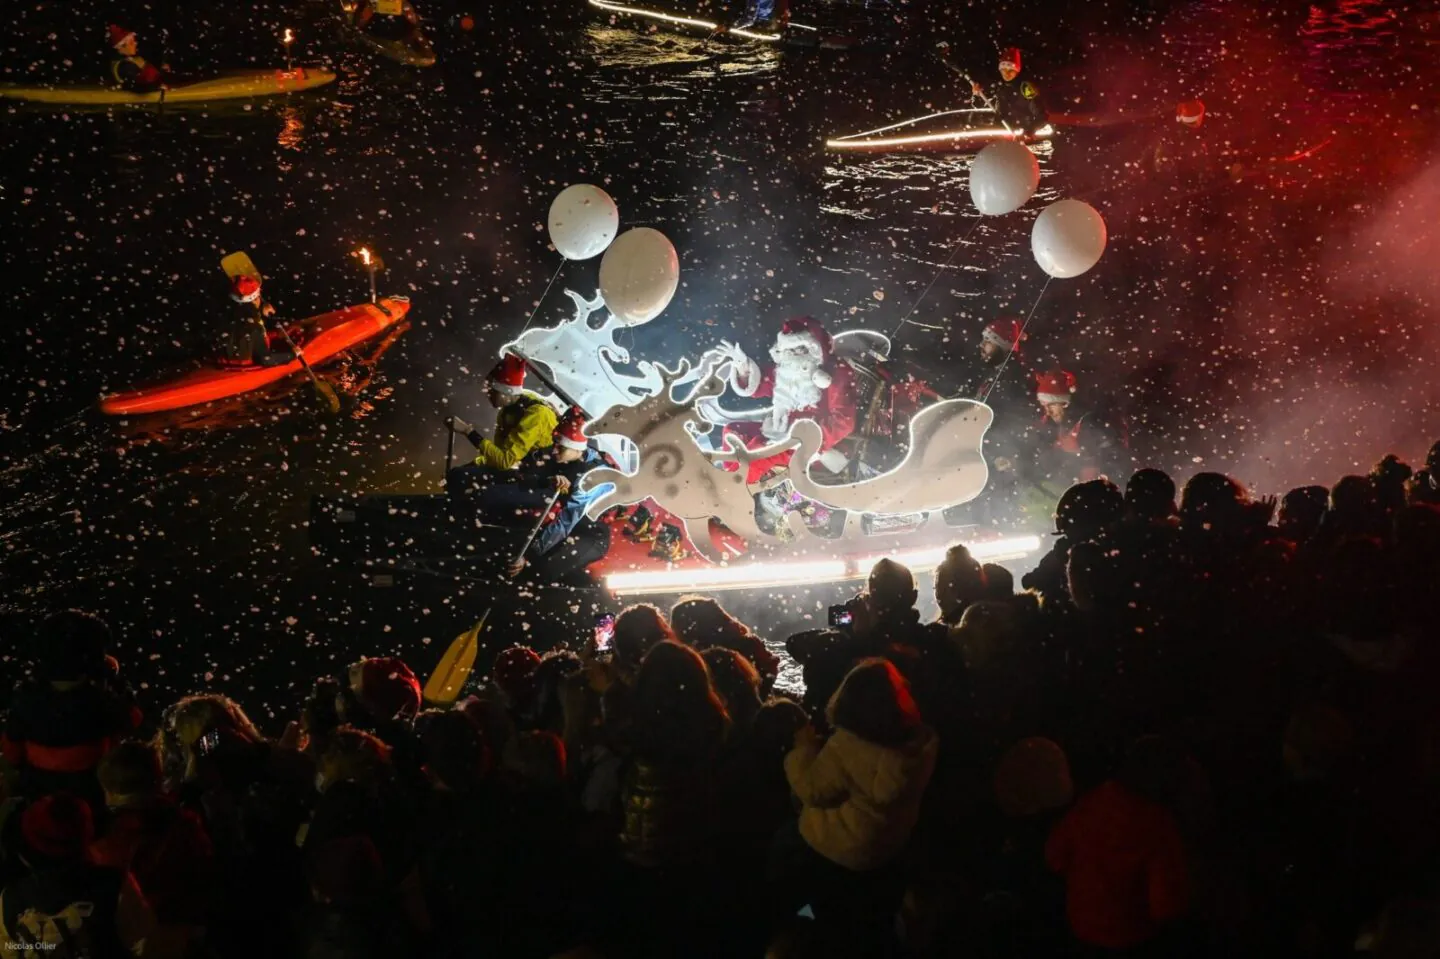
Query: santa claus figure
x=804, y=383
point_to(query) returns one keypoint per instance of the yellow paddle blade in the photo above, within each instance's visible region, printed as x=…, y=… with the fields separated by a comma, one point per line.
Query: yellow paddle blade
x=445, y=682
x=239, y=264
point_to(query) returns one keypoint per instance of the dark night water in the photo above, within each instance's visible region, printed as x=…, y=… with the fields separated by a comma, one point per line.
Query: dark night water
x=189, y=531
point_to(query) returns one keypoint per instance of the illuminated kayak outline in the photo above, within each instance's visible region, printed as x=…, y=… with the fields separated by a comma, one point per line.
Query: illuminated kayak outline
x=870, y=141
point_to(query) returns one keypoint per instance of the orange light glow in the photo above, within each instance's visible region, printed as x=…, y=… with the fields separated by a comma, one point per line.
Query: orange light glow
x=364, y=255
x=289, y=37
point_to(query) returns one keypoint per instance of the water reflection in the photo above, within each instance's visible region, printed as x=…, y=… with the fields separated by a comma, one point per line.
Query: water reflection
x=292, y=128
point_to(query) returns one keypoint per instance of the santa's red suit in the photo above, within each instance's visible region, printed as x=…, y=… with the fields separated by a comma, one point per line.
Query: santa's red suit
x=803, y=384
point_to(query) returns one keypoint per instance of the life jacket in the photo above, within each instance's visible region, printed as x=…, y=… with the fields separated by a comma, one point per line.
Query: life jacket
x=145, y=73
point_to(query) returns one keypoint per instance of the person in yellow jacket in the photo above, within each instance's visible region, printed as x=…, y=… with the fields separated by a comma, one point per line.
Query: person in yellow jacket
x=524, y=429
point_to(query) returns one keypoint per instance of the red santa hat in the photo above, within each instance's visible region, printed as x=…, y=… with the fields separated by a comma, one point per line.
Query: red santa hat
x=1190, y=113
x=570, y=432
x=807, y=333
x=1005, y=332
x=1055, y=387
x=1010, y=57
x=119, y=35
x=386, y=687
x=245, y=288
x=508, y=376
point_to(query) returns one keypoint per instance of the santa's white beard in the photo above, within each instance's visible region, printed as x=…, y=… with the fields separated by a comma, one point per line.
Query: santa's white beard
x=795, y=390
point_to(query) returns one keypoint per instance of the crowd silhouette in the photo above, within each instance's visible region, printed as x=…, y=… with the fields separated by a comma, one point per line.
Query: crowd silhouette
x=1207, y=726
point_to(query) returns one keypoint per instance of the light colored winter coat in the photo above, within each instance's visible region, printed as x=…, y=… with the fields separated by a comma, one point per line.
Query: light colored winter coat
x=860, y=800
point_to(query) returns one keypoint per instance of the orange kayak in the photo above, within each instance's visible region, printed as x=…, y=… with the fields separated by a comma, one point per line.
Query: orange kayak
x=324, y=336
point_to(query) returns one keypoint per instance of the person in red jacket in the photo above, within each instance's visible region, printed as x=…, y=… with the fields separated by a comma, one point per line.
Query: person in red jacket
x=1122, y=856
x=162, y=845
x=74, y=709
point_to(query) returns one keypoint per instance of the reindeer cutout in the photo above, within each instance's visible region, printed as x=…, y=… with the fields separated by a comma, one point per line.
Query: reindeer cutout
x=582, y=359
x=944, y=466
x=673, y=470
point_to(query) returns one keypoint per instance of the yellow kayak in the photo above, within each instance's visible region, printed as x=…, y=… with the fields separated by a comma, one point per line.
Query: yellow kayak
x=234, y=85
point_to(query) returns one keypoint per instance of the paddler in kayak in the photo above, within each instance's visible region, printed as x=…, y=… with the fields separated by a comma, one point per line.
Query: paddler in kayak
x=128, y=70
x=567, y=541
x=1017, y=102
x=246, y=342
x=524, y=430
x=385, y=19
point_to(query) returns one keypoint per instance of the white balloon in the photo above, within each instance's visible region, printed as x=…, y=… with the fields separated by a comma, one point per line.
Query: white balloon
x=638, y=275
x=1003, y=177
x=1068, y=238
x=583, y=221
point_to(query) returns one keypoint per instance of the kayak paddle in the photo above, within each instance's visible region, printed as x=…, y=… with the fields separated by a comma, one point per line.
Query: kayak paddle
x=544, y=515
x=240, y=264
x=324, y=393
x=451, y=673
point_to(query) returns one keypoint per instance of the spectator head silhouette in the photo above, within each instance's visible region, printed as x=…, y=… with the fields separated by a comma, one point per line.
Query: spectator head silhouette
x=701, y=622
x=384, y=689
x=514, y=674
x=73, y=645
x=1213, y=501
x=454, y=754
x=129, y=772
x=1150, y=495
x=874, y=703
x=999, y=581
x=1087, y=509
x=891, y=587
x=959, y=581
x=1301, y=511
x=677, y=713
x=638, y=629
x=1033, y=777
x=737, y=682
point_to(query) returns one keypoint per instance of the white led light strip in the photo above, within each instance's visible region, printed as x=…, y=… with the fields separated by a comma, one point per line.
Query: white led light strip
x=803, y=573
x=684, y=21
x=857, y=141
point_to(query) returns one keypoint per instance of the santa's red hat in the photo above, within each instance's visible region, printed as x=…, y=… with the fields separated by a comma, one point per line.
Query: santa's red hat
x=119, y=35
x=508, y=376
x=245, y=288
x=1005, y=332
x=570, y=431
x=807, y=332
x=1010, y=57
x=1190, y=113
x=1055, y=387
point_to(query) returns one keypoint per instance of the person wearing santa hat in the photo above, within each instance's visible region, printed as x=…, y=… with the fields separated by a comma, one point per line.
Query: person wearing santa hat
x=1075, y=444
x=1181, y=149
x=128, y=69
x=385, y=19
x=246, y=342
x=803, y=382
x=1017, y=102
x=524, y=428
x=568, y=541
x=1003, y=382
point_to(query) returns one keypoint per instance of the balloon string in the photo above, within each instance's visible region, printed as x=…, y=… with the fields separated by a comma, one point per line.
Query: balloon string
x=540, y=302
x=926, y=292
x=1018, y=340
